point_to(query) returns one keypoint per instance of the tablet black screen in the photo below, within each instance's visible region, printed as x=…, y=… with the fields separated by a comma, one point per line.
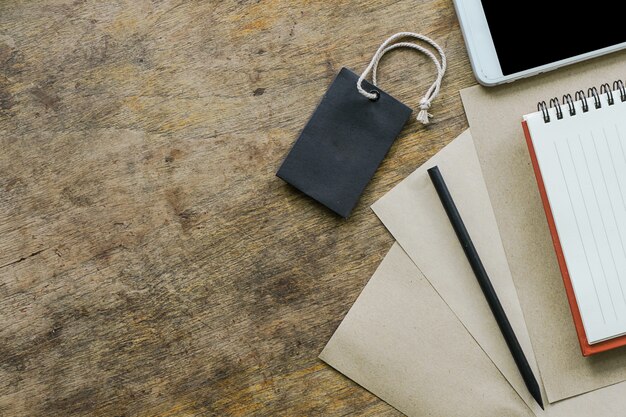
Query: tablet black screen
x=531, y=33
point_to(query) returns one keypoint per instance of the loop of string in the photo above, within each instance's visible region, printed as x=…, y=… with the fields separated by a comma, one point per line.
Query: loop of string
x=433, y=90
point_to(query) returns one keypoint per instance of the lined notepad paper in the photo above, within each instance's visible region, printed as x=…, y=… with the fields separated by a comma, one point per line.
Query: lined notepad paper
x=582, y=160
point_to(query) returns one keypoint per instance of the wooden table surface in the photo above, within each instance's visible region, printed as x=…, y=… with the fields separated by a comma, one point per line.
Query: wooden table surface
x=151, y=264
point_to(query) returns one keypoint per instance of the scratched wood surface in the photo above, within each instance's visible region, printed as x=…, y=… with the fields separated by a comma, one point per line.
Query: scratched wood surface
x=151, y=264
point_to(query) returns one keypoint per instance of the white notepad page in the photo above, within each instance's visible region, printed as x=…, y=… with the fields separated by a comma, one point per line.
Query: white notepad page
x=582, y=159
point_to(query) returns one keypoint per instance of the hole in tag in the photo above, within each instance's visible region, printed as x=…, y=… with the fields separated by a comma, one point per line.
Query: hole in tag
x=375, y=92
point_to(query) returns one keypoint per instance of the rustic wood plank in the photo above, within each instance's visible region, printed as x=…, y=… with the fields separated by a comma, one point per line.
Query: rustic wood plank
x=150, y=261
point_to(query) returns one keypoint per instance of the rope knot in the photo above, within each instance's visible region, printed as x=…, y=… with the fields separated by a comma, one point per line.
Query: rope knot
x=423, y=114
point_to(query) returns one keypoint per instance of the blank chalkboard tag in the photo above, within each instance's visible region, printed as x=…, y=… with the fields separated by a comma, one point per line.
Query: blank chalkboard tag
x=348, y=135
x=343, y=143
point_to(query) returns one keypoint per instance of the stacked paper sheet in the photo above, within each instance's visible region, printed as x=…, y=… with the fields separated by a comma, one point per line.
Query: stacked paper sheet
x=421, y=335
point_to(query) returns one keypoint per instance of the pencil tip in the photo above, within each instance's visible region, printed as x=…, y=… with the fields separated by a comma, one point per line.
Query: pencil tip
x=539, y=400
x=536, y=393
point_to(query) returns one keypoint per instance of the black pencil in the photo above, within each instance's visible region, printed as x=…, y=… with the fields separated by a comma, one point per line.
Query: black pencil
x=485, y=283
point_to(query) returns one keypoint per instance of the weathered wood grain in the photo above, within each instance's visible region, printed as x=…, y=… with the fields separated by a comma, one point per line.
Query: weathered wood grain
x=151, y=264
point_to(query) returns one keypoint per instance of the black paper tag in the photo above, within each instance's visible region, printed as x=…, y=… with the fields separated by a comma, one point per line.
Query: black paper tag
x=343, y=143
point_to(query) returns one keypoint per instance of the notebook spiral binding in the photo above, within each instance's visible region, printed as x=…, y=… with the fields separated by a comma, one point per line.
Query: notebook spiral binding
x=580, y=95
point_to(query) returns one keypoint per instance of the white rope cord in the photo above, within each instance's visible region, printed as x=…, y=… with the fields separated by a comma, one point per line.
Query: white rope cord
x=433, y=91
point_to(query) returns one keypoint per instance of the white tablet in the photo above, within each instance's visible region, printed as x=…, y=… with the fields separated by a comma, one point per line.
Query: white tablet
x=509, y=40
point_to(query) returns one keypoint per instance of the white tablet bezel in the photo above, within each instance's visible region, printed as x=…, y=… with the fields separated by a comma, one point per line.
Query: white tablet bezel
x=482, y=51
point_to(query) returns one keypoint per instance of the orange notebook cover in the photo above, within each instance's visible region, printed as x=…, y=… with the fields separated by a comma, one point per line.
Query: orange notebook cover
x=586, y=348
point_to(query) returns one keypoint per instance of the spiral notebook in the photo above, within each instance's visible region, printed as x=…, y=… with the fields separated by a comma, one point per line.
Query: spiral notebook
x=578, y=150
